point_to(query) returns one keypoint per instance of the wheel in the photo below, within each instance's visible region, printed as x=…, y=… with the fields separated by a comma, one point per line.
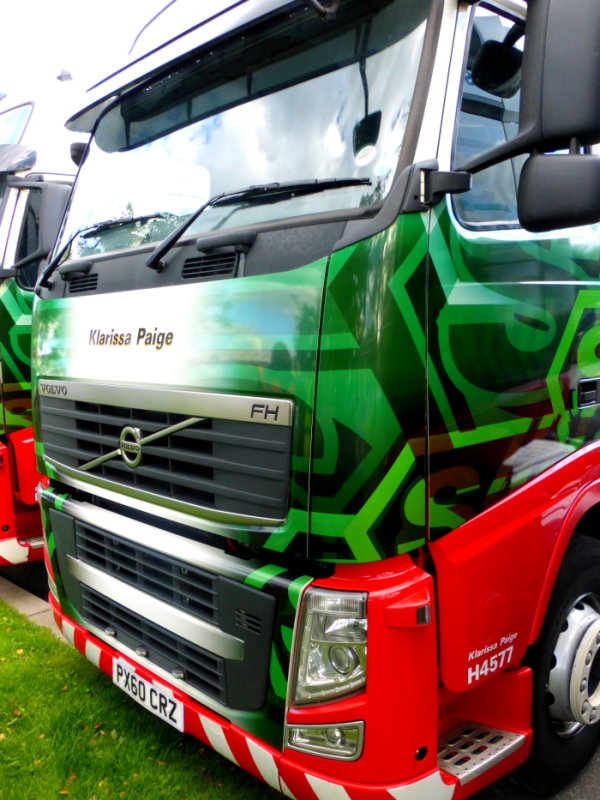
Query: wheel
x=566, y=665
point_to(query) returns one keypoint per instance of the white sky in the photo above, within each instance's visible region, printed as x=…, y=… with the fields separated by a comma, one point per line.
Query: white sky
x=39, y=38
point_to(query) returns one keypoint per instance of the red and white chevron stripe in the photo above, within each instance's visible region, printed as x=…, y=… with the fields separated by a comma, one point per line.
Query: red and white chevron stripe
x=13, y=552
x=275, y=768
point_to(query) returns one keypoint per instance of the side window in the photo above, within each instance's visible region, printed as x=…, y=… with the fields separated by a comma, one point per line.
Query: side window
x=29, y=240
x=489, y=115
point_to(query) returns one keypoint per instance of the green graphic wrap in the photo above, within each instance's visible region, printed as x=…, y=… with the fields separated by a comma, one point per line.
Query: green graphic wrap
x=433, y=371
x=511, y=330
x=514, y=322
x=479, y=339
x=369, y=448
x=15, y=358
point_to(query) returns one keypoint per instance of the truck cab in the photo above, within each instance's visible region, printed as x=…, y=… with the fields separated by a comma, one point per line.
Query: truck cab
x=317, y=390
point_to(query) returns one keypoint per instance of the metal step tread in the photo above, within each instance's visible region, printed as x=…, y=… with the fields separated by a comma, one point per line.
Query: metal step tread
x=470, y=749
x=35, y=543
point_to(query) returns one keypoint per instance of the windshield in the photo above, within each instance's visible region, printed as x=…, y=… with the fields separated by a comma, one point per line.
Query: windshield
x=296, y=98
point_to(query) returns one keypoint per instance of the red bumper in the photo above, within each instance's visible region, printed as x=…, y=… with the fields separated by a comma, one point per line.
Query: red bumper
x=279, y=770
x=20, y=520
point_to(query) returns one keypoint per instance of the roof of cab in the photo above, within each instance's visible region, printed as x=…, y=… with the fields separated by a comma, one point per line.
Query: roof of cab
x=208, y=24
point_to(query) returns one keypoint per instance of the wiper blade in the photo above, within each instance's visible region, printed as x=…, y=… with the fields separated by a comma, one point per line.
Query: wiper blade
x=265, y=193
x=274, y=192
x=108, y=224
x=89, y=231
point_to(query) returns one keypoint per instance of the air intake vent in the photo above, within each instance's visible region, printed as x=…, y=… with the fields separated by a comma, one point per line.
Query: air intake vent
x=210, y=265
x=83, y=283
x=249, y=622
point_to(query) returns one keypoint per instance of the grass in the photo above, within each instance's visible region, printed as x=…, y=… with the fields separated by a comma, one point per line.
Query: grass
x=67, y=732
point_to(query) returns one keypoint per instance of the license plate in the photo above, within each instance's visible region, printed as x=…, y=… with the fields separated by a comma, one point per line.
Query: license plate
x=154, y=698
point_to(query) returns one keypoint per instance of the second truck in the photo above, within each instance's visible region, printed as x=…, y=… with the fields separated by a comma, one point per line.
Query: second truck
x=35, y=181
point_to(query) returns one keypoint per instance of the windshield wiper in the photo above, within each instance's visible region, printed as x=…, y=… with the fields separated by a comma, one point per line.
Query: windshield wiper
x=89, y=231
x=265, y=193
x=108, y=224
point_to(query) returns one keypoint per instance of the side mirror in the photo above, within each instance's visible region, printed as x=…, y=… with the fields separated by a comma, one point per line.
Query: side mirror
x=497, y=69
x=560, y=95
x=365, y=135
x=560, y=82
x=560, y=109
x=52, y=207
x=16, y=157
x=559, y=191
x=77, y=152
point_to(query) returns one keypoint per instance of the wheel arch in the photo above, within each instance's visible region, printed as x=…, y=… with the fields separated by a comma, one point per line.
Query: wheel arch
x=582, y=517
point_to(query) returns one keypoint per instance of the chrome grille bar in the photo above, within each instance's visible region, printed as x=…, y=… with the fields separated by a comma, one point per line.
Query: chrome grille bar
x=167, y=616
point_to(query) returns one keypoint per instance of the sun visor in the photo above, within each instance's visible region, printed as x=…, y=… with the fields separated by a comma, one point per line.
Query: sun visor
x=196, y=35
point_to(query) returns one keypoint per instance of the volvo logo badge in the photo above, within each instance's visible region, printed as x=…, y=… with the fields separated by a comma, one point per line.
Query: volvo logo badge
x=130, y=446
x=131, y=443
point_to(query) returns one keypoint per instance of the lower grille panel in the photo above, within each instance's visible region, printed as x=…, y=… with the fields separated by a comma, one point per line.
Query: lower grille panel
x=201, y=670
x=232, y=607
x=169, y=579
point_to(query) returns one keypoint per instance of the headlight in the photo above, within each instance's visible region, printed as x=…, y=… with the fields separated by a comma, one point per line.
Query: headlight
x=343, y=742
x=332, y=656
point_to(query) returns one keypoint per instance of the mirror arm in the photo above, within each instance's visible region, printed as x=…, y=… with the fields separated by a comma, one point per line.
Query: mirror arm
x=514, y=147
x=437, y=184
x=16, y=182
x=427, y=185
x=35, y=256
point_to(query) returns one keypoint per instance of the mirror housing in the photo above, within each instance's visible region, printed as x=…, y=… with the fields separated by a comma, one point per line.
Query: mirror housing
x=560, y=82
x=78, y=152
x=560, y=96
x=497, y=69
x=16, y=157
x=52, y=207
x=559, y=191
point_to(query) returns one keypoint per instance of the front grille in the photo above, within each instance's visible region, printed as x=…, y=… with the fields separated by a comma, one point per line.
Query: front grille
x=183, y=585
x=201, y=670
x=223, y=465
x=211, y=265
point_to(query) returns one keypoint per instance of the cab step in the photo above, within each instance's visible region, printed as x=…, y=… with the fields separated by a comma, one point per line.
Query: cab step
x=35, y=543
x=470, y=749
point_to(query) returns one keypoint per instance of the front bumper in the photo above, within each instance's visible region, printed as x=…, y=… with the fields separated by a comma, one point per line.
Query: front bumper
x=279, y=770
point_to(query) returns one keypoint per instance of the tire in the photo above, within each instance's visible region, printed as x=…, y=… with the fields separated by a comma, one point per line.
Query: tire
x=563, y=746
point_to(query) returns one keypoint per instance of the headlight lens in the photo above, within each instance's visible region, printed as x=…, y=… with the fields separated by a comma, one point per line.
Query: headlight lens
x=343, y=741
x=332, y=658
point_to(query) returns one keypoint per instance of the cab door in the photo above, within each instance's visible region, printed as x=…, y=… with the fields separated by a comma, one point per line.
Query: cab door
x=512, y=340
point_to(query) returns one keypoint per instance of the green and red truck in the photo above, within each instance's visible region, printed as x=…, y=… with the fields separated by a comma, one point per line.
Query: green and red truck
x=317, y=390
x=32, y=201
